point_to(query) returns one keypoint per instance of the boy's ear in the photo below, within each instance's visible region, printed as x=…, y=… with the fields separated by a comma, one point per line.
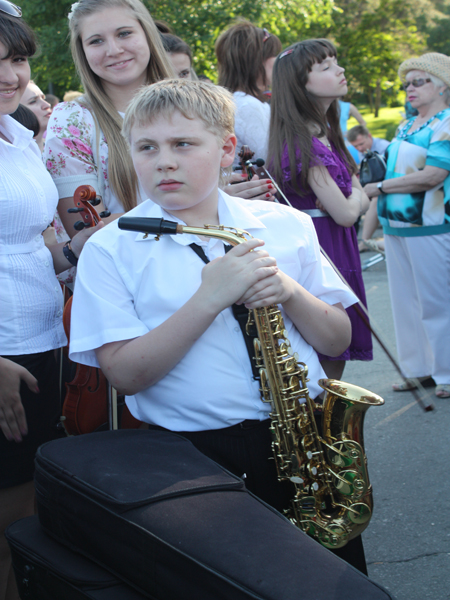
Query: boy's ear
x=228, y=150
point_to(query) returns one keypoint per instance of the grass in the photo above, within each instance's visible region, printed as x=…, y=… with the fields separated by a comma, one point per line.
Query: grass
x=384, y=125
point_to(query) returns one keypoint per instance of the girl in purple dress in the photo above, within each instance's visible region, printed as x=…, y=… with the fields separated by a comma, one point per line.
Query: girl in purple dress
x=315, y=170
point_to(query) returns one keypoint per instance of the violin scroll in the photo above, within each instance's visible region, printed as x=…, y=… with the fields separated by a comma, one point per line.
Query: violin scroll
x=85, y=198
x=247, y=165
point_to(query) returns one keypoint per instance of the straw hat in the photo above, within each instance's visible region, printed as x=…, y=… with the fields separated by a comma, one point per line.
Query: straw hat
x=433, y=62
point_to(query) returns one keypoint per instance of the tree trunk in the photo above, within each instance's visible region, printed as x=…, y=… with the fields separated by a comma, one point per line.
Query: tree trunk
x=377, y=98
x=369, y=95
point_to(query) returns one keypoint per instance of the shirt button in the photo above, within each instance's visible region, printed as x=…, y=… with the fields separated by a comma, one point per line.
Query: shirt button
x=46, y=263
x=237, y=330
x=59, y=313
x=57, y=288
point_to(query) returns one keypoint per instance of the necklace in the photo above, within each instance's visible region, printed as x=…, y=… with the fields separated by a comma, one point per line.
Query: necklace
x=404, y=132
x=325, y=141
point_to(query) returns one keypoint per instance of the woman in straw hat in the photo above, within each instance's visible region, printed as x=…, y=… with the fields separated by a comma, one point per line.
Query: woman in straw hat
x=414, y=209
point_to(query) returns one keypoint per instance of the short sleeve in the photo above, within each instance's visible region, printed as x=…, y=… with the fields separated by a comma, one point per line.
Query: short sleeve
x=103, y=308
x=438, y=154
x=68, y=153
x=320, y=156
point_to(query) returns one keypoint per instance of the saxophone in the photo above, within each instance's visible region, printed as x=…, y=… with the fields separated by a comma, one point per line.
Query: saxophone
x=333, y=496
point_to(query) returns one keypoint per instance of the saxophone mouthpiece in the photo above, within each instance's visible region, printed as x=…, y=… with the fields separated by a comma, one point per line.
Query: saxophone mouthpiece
x=148, y=225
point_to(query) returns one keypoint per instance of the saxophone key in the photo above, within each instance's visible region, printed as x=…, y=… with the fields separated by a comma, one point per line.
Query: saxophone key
x=349, y=483
x=312, y=470
x=333, y=536
x=359, y=513
x=307, y=505
x=297, y=480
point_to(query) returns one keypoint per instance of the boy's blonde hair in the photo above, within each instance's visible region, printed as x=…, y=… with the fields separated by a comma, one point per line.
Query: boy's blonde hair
x=212, y=104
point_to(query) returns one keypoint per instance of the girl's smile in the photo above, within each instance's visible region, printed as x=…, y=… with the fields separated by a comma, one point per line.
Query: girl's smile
x=116, y=47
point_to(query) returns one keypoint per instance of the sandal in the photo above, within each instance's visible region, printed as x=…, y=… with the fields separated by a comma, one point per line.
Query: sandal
x=410, y=384
x=443, y=390
x=374, y=246
x=362, y=246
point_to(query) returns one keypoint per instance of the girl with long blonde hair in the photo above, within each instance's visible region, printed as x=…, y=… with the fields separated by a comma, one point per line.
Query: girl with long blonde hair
x=116, y=49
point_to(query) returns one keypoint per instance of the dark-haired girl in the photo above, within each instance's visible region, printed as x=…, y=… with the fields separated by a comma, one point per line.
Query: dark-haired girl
x=30, y=296
x=309, y=157
x=180, y=55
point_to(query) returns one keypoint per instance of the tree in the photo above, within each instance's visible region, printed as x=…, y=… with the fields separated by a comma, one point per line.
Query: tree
x=437, y=30
x=373, y=38
x=198, y=22
x=52, y=68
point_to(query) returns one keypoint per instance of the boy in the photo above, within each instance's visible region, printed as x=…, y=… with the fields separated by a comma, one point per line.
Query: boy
x=162, y=328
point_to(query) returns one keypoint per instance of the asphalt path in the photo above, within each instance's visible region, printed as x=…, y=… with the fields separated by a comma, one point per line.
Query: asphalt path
x=407, y=542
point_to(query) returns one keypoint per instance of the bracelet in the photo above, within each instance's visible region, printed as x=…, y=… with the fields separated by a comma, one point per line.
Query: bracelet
x=68, y=253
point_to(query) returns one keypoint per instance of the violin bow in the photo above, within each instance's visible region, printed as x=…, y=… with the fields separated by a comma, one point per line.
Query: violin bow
x=361, y=310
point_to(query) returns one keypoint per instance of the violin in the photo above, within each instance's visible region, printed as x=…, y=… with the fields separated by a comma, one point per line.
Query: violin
x=86, y=404
x=246, y=154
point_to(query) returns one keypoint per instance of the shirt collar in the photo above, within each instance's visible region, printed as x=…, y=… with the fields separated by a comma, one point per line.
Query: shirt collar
x=233, y=212
x=236, y=212
x=12, y=129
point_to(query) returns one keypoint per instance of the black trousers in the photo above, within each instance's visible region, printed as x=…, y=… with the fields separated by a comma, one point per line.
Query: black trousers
x=245, y=450
x=42, y=411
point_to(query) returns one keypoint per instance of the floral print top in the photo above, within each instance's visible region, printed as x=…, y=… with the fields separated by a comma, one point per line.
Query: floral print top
x=70, y=153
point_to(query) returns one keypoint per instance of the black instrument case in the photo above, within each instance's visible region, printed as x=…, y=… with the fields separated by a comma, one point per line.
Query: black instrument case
x=149, y=507
x=46, y=570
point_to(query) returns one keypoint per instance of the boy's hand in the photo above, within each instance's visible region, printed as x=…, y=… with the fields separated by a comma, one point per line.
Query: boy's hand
x=227, y=279
x=275, y=289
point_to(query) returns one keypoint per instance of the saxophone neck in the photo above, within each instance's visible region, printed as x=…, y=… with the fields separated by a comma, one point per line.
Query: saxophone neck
x=228, y=234
x=162, y=226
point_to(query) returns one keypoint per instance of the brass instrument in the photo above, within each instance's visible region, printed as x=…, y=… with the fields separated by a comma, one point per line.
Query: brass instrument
x=333, y=496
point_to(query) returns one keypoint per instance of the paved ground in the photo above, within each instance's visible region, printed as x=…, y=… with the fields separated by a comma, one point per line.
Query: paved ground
x=408, y=540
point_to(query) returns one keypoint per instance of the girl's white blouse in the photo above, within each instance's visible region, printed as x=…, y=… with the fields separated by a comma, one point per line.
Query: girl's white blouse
x=252, y=122
x=31, y=301
x=73, y=156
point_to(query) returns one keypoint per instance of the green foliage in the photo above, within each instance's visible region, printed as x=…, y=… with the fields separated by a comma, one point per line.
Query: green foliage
x=385, y=125
x=199, y=22
x=52, y=68
x=373, y=36
x=439, y=39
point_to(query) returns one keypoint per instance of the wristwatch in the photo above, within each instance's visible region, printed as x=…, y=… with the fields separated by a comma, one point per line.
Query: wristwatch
x=68, y=253
x=380, y=186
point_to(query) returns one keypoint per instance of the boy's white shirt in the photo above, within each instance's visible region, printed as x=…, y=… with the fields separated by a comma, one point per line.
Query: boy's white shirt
x=128, y=285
